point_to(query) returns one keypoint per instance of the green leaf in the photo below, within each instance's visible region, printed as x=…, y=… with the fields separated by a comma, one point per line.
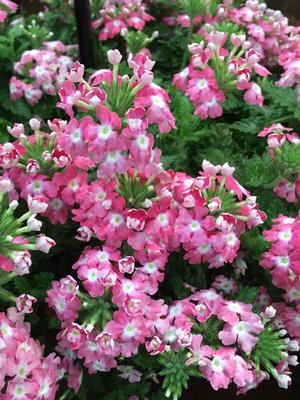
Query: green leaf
x=176, y=373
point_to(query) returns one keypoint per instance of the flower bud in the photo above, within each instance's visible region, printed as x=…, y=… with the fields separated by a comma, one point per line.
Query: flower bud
x=24, y=303
x=114, y=57
x=33, y=224
x=270, y=312
x=238, y=40
x=44, y=243
x=84, y=234
x=22, y=260
x=6, y=185
x=32, y=167
x=226, y=170
x=37, y=204
x=76, y=73
x=126, y=265
x=13, y=205
x=215, y=204
x=136, y=219
x=16, y=131
x=35, y=124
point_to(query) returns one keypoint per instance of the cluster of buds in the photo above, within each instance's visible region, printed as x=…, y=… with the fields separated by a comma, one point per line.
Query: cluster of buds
x=117, y=15
x=18, y=234
x=193, y=13
x=268, y=30
x=7, y=7
x=135, y=97
x=32, y=163
x=40, y=72
x=287, y=183
x=218, y=66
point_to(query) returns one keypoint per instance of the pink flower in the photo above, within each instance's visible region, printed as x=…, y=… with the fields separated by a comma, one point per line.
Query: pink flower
x=242, y=332
x=220, y=369
x=203, y=311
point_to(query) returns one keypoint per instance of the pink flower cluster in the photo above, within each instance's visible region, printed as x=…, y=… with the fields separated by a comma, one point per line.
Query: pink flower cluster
x=139, y=320
x=7, y=7
x=283, y=258
x=277, y=135
x=18, y=234
x=24, y=372
x=116, y=15
x=40, y=71
x=268, y=30
x=136, y=98
x=215, y=71
x=289, y=59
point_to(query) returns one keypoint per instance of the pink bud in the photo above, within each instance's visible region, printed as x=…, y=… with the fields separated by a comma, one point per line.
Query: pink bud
x=84, y=234
x=76, y=73
x=252, y=57
x=226, y=170
x=146, y=78
x=155, y=346
x=24, y=303
x=46, y=156
x=32, y=167
x=44, y=243
x=237, y=40
x=222, y=10
x=126, y=265
x=203, y=181
x=244, y=75
x=6, y=185
x=60, y=157
x=210, y=169
x=276, y=140
x=284, y=381
x=225, y=222
x=33, y=224
x=22, y=260
x=195, y=48
x=35, y=124
x=270, y=312
x=136, y=219
x=16, y=131
x=215, y=204
x=233, y=66
x=37, y=204
x=114, y=57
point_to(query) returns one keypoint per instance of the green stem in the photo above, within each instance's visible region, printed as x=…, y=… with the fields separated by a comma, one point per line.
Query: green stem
x=186, y=50
x=65, y=395
x=6, y=278
x=7, y=296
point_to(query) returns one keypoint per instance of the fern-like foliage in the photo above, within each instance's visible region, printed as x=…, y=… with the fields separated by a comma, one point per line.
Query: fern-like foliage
x=176, y=373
